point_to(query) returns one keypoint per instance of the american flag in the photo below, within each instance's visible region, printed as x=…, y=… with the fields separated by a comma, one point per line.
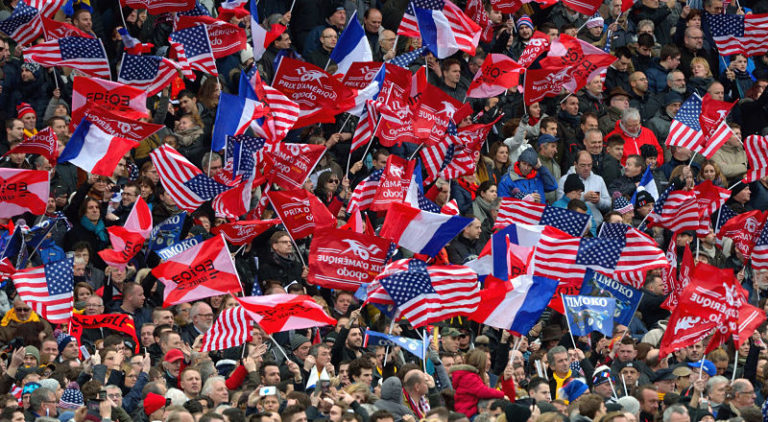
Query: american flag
x=84, y=54
x=198, y=10
x=675, y=210
x=24, y=24
x=709, y=198
x=47, y=8
x=48, y=289
x=156, y=7
x=404, y=60
x=756, y=148
x=425, y=295
x=365, y=191
x=515, y=211
x=715, y=140
x=760, y=251
x=283, y=112
x=150, y=73
x=231, y=329
x=724, y=214
x=197, y=48
x=240, y=148
x=366, y=125
x=205, y=187
x=409, y=26
x=180, y=56
x=174, y=170
x=685, y=130
x=640, y=253
x=437, y=157
x=739, y=34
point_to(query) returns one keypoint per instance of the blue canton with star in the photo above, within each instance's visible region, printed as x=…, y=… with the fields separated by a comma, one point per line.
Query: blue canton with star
x=603, y=253
x=205, y=187
x=59, y=276
x=403, y=286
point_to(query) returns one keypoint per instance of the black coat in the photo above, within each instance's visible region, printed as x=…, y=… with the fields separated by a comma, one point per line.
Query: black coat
x=275, y=267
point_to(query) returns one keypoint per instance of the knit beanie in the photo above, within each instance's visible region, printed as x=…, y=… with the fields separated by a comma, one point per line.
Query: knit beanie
x=72, y=397
x=153, y=402
x=529, y=156
x=23, y=109
x=524, y=20
x=297, y=341
x=572, y=183
x=63, y=341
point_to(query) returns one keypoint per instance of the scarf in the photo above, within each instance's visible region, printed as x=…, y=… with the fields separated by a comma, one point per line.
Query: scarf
x=419, y=408
x=29, y=134
x=11, y=316
x=517, y=171
x=485, y=205
x=469, y=187
x=572, y=120
x=532, y=121
x=630, y=134
x=97, y=229
x=189, y=136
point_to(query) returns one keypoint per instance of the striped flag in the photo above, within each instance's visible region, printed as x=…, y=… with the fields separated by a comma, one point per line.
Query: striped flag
x=366, y=125
x=760, y=251
x=516, y=211
x=756, y=148
x=733, y=34
x=712, y=120
x=444, y=28
x=409, y=27
x=675, y=210
x=710, y=199
x=231, y=329
x=156, y=7
x=283, y=112
x=174, y=171
x=197, y=48
x=425, y=295
x=150, y=73
x=84, y=54
x=586, y=7
x=24, y=24
x=48, y=289
x=640, y=253
x=365, y=191
x=685, y=130
x=47, y=8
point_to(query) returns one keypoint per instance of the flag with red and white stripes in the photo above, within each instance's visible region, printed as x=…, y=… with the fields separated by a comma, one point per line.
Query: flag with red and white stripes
x=710, y=199
x=84, y=54
x=409, y=26
x=150, y=73
x=156, y=7
x=756, y=148
x=365, y=191
x=55, y=30
x=48, y=289
x=746, y=34
x=516, y=211
x=231, y=329
x=586, y=7
x=174, y=170
x=712, y=119
x=685, y=129
x=197, y=48
x=760, y=251
x=639, y=255
x=555, y=257
x=366, y=125
x=677, y=211
x=24, y=24
x=283, y=113
x=47, y=8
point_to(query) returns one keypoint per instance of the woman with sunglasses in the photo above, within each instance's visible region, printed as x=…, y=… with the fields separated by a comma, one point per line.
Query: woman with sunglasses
x=331, y=194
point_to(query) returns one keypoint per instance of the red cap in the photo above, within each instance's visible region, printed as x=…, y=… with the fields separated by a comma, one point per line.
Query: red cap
x=153, y=402
x=173, y=355
x=23, y=109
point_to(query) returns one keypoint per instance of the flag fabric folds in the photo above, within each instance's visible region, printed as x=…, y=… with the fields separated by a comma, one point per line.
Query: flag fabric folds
x=514, y=211
x=410, y=345
x=150, y=73
x=516, y=305
x=587, y=313
x=24, y=25
x=352, y=46
x=756, y=148
x=231, y=329
x=283, y=312
x=48, y=289
x=733, y=34
x=444, y=28
x=33, y=197
x=94, y=150
x=84, y=54
x=174, y=170
x=197, y=48
x=421, y=231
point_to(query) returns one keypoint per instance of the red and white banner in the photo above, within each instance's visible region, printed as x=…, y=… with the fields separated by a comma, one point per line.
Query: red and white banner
x=712, y=120
x=512, y=6
x=538, y=44
x=546, y=82
x=395, y=124
x=55, y=30
x=44, y=143
x=360, y=74
x=344, y=259
x=744, y=230
x=394, y=182
x=301, y=212
x=241, y=232
x=119, y=98
x=583, y=60
x=283, y=312
x=290, y=164
x=119, y=126
x=125, y=245
x=226, y=39
x=23, y=191
x=497, y=74
x=201, y=271
x=432, y=114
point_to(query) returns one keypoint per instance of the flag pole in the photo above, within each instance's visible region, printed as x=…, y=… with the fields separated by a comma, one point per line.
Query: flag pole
x=624, y=382
x=386, y=351
x=613, y=390
x=701, y=367
x=567, y=321
x=735, y=364
x=279, y=348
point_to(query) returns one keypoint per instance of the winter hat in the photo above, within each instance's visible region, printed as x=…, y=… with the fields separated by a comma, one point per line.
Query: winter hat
x=153, y=402
x=595, y=22
x=225, y=366
x=737, y=188
x=622, y=205
x=32, y=350
x=572, y=183
x=72, y=398
x=524, y=20
x=516, y=412
x=643, y=198
x=64, y=340
x=630, y=404
x=297, y=341
x=672, y=97
x=23, y=109
x=529, y=156
x=32, y=67
x=335, y=7
x=601, y=377
x=648, y=151
x=574, y=389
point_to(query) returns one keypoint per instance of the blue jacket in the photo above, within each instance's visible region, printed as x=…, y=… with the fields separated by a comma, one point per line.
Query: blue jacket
x=657, y=77
x=543, y=182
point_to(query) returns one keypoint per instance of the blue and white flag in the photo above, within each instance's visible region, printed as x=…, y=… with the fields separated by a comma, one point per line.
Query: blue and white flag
x=627, y=297
x=167, y=233
x=352, y=46
x=233, y=117
x=647, y=184
x=179, y=247
x=587, y=313
x=414, y=346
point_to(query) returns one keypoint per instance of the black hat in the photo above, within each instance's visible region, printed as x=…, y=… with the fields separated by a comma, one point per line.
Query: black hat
x=643, y=198
x=664, y=374
x=516, y=412
x=648, y=151
x=672, y=97
x=737, y=188
x=572, y=183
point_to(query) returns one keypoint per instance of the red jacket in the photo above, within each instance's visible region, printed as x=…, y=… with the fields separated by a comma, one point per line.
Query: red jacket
x=470, y=389
x=632, y=145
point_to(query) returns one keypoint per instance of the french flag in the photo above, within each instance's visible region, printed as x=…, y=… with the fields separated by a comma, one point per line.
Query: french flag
x=446, y=29
x=261, y=37
x=648, y=184
x=516, y=305
x=421, y=231
x=370, y=92
x=510, y=245
x=352, y=46
x=233, y=117
x=94, y=150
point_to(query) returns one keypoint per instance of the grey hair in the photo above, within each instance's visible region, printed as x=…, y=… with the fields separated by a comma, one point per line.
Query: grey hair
x=713, y=381
x=630, y=113
x=39, y=396
x=646, y=22
x=675, y=408
x=740, y=385
x=555, y=351
x=208, y=386
x=209, y=157
x=195, y=309
x=592, y=131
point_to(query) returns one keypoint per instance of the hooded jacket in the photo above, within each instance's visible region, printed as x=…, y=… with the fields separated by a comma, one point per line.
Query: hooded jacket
x=542, y=183
x=392, y=399
x=470, y=389
x=632, y=144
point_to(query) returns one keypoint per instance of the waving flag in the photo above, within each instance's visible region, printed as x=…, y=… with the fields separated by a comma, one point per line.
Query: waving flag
x=415, y=195
x=197, y=48
x=639, y=254
x=156, y=7
x=234, y=202
x=710, y=199
x=512, y=6
x=233, y=117
x=301, y=212
x=125, y=245
x=284, y=312
x=394, y=182
x=24, y=25
x=685, y=130
x=582, y=61
x=497, y=74
x=23, y=191
x=409, y=26
x=365, y=126
x=507, y=253
x=734, y=34
x=132, y=45
x=84, y=54
x=125, y=100
x=47, y=8
x=627, y=298
x=47, y=289
x=515, y=211
x=745, y=229
x=352, y=46
x=675, y=281
x=242, y=232
x=201, y=271
x=291, y=164
x=94, y=150
x=425, y=295
x=226, y=38
x=174, y=170
x=404, y=60
x=444, y=28
x=365, y=191
x=150, y=73
x=43, y=143
x=647, y=183
x=516, y=305
x=231, y=329
x=432, y=114
x=55, y=30
x=545, y=82
x=421, y=231
x=587, y=313
x=139, y=220
x=675, y=210
x=283, y=113
x=756, y=148
x=261, y=37
x=476, y=10
x=714, y=129
x=410, y=345
x=538, y=44
x=586, y=7
x=343, y=259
